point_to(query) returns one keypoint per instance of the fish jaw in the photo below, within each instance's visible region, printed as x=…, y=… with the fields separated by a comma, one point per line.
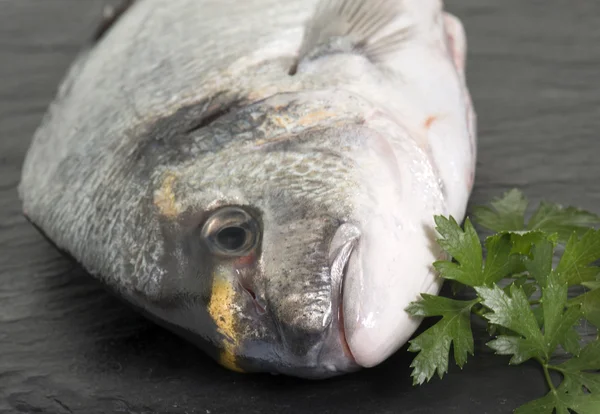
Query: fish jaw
x=381, y=282
x=392, y=264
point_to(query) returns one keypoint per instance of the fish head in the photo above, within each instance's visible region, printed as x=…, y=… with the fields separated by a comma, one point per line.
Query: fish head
x=296, y=249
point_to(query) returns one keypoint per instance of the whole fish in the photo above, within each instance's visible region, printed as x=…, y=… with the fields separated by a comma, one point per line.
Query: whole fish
x=261, y=176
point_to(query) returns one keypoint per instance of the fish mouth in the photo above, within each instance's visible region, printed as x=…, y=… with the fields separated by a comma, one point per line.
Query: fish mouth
x=346, y=253
x=342, y=330
x=336, y=354
x=345, y=346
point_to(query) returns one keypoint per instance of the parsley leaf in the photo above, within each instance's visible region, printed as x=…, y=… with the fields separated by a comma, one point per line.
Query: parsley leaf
x=579, y=391
x=525, y=241
x=524, y=326
x=553, y=218
x=434, y=344
x=505, y=214
x=514, y=312
x=540, y=266
x=590, y=306
x=592, y=285
x=508, y=214
x=465, y=248
x=559, y=322
x=529, y=288
x=588, y=360
x=562, y=402
x=579, y=254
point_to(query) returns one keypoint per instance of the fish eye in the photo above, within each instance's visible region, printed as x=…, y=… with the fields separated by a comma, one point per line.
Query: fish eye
x=231, y=238
x=231, y=231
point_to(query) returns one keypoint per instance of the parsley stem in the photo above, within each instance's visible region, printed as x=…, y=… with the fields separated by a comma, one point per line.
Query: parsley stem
x=478, y=310
x=545, y=367
x=555, y=368
x=547, y=375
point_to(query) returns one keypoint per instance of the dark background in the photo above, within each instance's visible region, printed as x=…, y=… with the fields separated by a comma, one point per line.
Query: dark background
x=66, y=346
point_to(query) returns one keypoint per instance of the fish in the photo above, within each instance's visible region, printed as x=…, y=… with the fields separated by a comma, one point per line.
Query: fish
x=261, y=177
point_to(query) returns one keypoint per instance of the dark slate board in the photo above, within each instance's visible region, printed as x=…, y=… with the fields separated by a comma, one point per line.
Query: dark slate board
x=66, y=346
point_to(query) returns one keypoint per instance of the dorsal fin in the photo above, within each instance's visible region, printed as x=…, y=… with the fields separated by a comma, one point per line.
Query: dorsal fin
x=353, y=26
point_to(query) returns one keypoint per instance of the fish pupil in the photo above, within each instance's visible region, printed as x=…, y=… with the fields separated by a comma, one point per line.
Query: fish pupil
x=231, y=238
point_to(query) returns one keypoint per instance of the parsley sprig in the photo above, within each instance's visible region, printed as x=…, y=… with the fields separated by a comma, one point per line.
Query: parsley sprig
x=521, y=295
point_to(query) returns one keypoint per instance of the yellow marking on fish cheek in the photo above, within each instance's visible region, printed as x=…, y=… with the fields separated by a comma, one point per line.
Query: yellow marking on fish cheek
x=164, y=197
x=222, y=311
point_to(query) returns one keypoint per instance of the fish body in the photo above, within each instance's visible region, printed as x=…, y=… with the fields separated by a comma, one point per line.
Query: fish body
x=262, y=176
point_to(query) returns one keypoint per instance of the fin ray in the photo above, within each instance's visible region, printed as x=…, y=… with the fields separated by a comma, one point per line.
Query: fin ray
x=353, y=26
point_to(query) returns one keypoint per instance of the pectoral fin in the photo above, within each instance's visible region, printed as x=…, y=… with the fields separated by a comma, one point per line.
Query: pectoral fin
x=368, y=27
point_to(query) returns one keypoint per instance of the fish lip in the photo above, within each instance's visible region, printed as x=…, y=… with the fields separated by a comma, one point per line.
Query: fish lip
x=341, y=326
x=340, y=303
x=335, y=353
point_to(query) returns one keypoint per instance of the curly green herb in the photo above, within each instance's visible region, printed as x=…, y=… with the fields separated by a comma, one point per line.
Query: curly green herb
x=522, y=297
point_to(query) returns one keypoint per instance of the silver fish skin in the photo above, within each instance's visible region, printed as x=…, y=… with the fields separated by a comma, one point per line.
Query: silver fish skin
x=261, y=176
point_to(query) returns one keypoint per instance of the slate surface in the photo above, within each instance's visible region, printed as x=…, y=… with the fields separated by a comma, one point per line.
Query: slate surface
x=66, y=346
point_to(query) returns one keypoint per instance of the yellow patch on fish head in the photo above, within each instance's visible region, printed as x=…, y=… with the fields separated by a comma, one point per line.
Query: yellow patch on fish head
x=314, y=117
x=164, y=197
x=282, y=121
x=222, y=309
x=288, y=123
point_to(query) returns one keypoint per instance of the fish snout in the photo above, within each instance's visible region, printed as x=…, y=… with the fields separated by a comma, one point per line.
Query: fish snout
x=324, y=343
x=304, y=308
